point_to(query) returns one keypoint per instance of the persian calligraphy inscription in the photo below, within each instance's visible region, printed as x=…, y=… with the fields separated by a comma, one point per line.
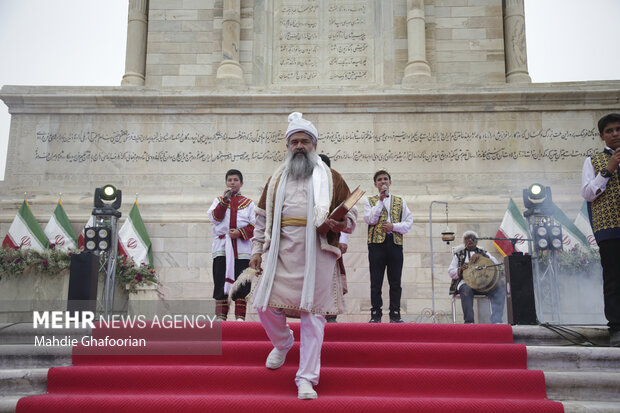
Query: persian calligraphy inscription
x=324, y=42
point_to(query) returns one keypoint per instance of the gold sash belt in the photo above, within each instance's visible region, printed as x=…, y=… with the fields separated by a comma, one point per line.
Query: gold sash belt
x=293, y=221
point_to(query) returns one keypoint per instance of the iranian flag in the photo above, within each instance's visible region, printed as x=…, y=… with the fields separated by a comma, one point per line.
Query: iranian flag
x=583, y=223
x=513, y=226
x=89, y=224
x=59, y=230
x=25, y=231
x=133, y=241
x=571, y=234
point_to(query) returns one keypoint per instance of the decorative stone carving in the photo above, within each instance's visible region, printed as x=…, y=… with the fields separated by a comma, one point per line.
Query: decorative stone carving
x=418, y=69
x=230, y=70
x=514, y=42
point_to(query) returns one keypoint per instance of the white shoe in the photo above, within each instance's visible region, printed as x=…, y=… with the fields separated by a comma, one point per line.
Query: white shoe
x=276, y=358
x=305, y=390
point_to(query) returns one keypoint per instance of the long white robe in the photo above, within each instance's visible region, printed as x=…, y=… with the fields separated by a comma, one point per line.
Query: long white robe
x=289, y=274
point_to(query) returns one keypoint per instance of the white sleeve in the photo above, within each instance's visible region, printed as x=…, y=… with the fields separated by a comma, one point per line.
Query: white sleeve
x=404, y=226
x=591, y=186
x=372, y=214
x=453, y=270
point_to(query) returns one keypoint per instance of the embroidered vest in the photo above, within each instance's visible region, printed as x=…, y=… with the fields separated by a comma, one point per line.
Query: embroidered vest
x=376, y=234
x=604, y=211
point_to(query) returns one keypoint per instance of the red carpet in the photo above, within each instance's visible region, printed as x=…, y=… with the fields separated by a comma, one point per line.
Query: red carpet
x=365, y=368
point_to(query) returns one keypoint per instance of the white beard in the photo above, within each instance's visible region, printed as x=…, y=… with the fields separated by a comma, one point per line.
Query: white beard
x=301, y=167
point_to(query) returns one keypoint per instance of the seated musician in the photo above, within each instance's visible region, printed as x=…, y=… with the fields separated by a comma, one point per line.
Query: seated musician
x=465, y=255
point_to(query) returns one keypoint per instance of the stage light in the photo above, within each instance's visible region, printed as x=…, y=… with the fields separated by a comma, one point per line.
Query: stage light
x=547, y=236
x=97, y=239
x=555, y=237
x=535, y=190
x=108, y=193
x=537, y=200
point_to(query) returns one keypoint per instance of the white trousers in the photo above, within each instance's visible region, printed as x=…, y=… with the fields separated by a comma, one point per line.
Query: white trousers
x=312, y=327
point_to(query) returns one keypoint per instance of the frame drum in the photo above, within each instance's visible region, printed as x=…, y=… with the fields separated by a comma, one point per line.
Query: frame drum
x=482, y=275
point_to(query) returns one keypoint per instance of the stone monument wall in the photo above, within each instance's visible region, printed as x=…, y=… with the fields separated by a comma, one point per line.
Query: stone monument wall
x=323, y=43
x=471, y=148
x=435, y=91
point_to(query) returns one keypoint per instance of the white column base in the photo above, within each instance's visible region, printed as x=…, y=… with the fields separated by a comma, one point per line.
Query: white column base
x=230, y=71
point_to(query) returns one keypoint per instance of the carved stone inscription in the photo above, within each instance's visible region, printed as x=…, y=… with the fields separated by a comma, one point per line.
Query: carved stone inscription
x=323, y=42
x=184, y=147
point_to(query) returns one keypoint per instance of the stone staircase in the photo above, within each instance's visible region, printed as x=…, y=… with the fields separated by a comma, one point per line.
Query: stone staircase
x=582, y=375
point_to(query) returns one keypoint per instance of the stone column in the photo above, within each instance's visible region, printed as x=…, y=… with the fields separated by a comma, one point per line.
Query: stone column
x=514, y=42
x=417, y=69
x=230, y=70
x=135, y=57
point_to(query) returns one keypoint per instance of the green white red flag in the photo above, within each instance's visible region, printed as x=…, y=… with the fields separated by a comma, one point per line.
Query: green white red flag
x=571, y=234
x=513, y=226
x=59, y=230
x=133, y=240
x=582, y=221
x=25, y=231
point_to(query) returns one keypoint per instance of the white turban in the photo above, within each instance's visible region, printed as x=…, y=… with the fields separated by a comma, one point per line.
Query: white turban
x=299, y=124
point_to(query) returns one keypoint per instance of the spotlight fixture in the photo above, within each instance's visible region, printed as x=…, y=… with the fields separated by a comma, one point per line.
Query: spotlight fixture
x=548, y=237
x=97, y=239
x=537, y=200
x=110, y=194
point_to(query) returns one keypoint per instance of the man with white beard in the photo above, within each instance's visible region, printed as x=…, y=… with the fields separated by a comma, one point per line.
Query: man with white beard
x=300, y=277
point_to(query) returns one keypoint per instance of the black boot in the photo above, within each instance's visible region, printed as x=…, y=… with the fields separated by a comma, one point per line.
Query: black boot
x=395, y=316
x=375, y=316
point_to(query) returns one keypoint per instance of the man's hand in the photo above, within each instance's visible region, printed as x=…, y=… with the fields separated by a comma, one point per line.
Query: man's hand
x=255, y=262
x=234, y=233
x=614, y=161
x=336, y=226
x=474, y=258
x=388, y=226
x=343, y=247
x=461, y=269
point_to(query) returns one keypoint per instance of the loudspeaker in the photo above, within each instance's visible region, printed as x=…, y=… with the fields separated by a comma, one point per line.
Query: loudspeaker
x=83, y=277
x=521, y=305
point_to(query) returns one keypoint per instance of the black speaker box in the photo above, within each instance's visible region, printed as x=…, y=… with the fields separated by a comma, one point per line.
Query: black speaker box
x=521, y=304
x=83, y=277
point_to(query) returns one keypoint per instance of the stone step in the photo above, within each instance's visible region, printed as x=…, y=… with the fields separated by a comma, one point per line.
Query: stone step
x=16, y=356
x=9, y=403
x=23, y=333
x=23, y=381
x=591, y=407
x=575, y=386
x=560, y=335
x=562, y=358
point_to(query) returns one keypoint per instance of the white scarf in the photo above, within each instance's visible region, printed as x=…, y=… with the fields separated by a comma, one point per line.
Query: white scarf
x=316, y=214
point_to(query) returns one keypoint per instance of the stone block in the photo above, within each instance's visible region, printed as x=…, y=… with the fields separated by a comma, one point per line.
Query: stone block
x=477, y=11
x=153, y=59
x=198, y=4
x=195, y=70
x=491, y=22
x=177, y=81
x=181, y=14
x=450, y=3
x=469, y=34
x=197, y=26
x=164, y=26
x=165, y=4
x=166, y=259
x=451, y=22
